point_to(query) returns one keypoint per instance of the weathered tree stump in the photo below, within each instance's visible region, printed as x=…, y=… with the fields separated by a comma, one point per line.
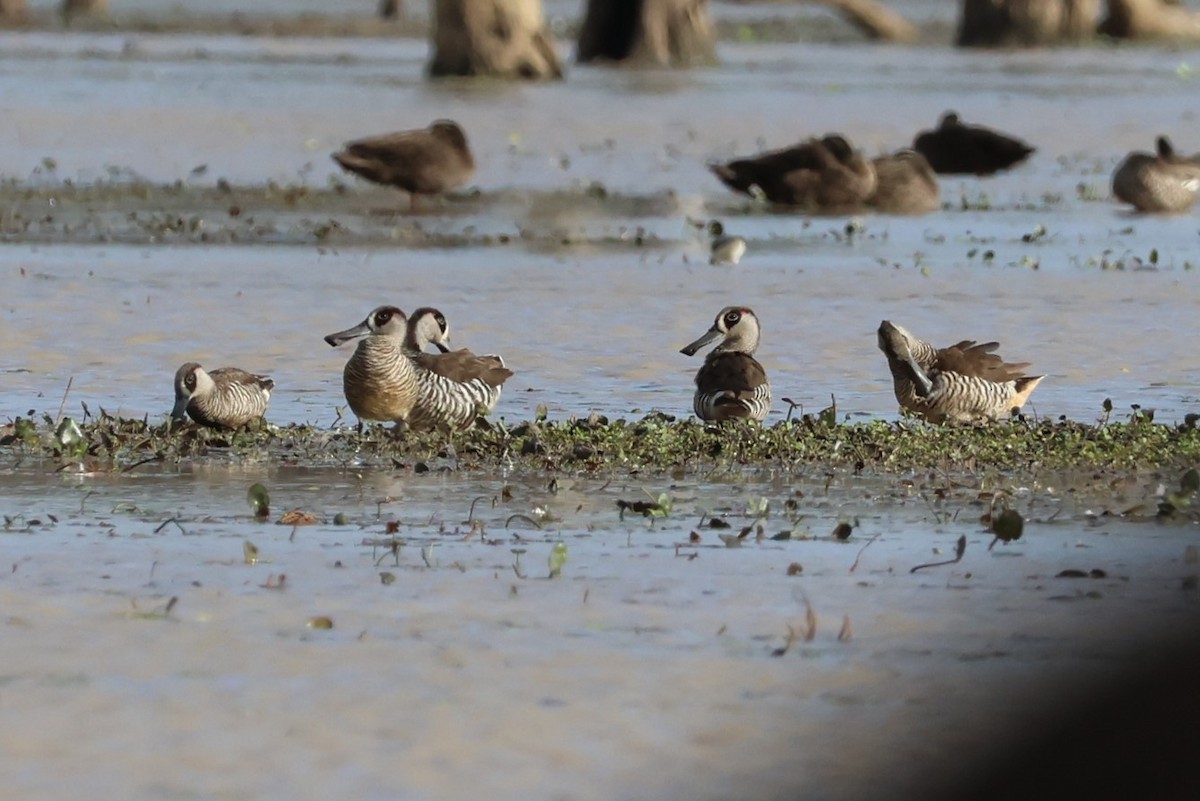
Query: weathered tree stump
x=12, y=10
x=662, y=32
x=500, y=38
x=82, y=8
x=1000, y=23
x=1150, y=19
x=874, y=19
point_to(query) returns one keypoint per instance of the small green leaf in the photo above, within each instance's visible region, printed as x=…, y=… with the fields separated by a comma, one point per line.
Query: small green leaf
x=558, y=558
x=259, y=500
x=67, y=433
x=249, y=552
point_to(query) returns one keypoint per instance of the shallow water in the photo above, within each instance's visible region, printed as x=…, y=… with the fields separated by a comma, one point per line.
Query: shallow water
x=646, y=670
x=597, y=328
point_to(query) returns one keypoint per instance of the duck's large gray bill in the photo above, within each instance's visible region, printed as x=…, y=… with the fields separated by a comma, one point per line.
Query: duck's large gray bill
x=360, y=330
x=709, y=335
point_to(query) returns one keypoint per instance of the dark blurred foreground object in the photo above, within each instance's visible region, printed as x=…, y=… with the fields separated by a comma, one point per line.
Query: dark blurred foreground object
x=390, y=9
x=426, y=161
x=1159, y=182
x=955, y=148
x=655, y=32
x=497, y=38
x=1136, y=736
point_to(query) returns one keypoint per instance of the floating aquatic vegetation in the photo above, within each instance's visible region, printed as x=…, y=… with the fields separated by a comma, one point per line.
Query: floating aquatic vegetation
x=153, y=614
x=259, y=500
x=296, y=517
x=1171, y=504
x=558, y=558
x=320, y=622
x=960, y=548
x=655, y=442
x=660, y=507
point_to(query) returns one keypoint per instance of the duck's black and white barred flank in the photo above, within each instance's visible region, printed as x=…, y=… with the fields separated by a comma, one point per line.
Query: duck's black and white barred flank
x=225, y=398
x=445, y=403
x=964, y=383
x=724, y=404
x=966, y=398
x=389, y=379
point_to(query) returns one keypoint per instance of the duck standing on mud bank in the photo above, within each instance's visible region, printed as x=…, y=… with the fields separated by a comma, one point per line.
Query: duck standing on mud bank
x=426, y=161
x=731, y=383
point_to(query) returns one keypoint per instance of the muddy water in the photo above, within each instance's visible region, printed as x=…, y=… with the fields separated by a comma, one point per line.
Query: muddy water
x=643, y=671
x=646, y=668
x=596, y=327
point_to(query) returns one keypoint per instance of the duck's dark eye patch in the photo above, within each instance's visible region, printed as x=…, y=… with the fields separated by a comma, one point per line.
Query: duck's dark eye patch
x=190, y=380
x=383, y=318
x=441, y=321
x=732, y=318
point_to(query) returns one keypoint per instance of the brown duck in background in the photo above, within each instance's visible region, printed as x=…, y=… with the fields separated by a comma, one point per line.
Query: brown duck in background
x=427, y=161
x=905, y=184
x=955, y=148
x=1162, y=182
x=822, y=175
x=964, y=383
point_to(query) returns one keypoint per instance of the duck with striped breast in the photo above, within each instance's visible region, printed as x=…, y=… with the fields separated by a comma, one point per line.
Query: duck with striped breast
x=389, y=379
x=964, y=383
x=224, y=398
x=731, y=383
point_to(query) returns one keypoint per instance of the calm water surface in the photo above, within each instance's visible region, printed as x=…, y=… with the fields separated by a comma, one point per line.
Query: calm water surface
x=598, y=328
x=642, y=673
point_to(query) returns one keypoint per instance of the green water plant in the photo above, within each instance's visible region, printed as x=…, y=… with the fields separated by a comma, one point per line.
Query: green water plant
x=655, y=442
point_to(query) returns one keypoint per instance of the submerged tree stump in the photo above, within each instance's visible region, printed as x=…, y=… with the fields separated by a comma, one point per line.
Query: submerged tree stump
x=12, y=10
x=501, y=38
x=662, y=32
x=1150, y=19
x=874, y=19
x=82, y=8
x=999, y=23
